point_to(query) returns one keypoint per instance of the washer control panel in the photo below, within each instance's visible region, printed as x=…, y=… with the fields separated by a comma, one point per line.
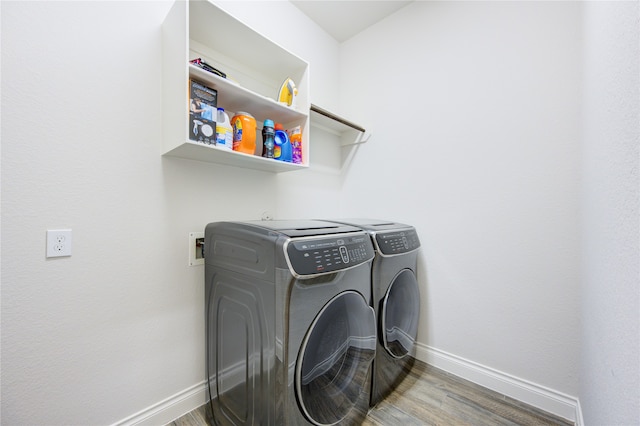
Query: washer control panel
x=329, y=254
x=397, y=242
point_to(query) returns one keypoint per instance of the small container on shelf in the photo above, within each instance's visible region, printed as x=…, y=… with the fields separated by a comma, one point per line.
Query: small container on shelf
x=295, y=138
x=244, y=132
x=224, y=131
x=268, y=134
x=282, y=149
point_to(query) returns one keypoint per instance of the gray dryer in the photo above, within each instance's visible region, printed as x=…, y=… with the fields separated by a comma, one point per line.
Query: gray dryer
x=396, y=300
x=291, y=333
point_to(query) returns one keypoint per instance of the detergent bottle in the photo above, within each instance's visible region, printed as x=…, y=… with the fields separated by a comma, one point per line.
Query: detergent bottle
x=282, y=149
x=268, y=139
x=295, y=138
x=244, y=133
x=224, y=131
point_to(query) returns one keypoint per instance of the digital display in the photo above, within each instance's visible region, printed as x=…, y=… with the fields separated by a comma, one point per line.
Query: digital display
x=397, y=242
x=319, y=256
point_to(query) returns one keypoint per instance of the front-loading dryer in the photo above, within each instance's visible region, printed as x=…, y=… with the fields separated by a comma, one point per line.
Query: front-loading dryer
x=290, y=330
x=396, y=300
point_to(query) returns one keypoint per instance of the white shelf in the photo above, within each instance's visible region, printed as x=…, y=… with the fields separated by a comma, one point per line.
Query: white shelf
x=256, y=68
x=210, y=153
x=237, y=98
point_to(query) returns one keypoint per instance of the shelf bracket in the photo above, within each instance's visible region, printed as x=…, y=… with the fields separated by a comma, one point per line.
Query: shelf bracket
x=349, y=132
x=353, y=137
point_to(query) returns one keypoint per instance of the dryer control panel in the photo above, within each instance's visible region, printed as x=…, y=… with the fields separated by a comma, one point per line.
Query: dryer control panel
x=397, y=242
x=324, y=255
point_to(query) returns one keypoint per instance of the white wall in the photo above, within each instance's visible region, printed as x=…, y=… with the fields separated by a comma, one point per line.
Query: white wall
x=610, y=362
x=474, y=109
x=490, y=175
x=118, y=326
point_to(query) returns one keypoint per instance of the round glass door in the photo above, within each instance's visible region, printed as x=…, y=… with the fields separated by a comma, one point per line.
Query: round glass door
x=400, y=314
x=334, y=358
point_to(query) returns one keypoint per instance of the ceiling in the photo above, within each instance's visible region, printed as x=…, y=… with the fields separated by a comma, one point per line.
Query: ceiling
x=344, y=19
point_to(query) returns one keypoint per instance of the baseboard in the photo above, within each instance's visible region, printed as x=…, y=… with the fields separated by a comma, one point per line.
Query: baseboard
x=183, y=402
x=579, y=419
x=522, y=390
x=538, y=396
x=169, y=409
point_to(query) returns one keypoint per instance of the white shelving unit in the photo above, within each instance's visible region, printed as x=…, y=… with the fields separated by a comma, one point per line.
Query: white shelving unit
x=255, y=66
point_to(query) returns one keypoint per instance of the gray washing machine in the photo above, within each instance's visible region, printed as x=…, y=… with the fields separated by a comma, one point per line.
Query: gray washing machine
x=291, y=334
x=396, y=300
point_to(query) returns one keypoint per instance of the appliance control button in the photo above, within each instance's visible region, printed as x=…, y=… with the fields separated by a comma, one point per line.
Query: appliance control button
x=344, y=254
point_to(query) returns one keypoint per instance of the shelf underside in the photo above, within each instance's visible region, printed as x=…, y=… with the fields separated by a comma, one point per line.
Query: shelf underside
x=210, y=153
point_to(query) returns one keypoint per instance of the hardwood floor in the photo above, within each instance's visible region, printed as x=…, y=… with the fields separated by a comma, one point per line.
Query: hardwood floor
x=429, y=396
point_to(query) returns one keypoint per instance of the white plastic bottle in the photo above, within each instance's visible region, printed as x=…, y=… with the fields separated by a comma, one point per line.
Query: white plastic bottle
x=224, y=131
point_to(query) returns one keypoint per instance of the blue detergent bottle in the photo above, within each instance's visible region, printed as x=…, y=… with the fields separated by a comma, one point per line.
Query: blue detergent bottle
x=282, y=147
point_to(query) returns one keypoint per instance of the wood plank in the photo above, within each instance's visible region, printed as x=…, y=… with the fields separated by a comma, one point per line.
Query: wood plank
x=429, y=396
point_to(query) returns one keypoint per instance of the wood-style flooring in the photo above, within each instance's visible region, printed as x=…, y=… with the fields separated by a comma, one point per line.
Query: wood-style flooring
x=429, y=396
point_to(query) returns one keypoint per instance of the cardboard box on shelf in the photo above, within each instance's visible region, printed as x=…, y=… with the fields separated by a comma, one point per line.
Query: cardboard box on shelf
x=203, y=107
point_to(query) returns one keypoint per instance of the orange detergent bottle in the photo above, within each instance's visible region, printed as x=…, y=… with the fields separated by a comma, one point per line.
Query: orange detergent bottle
x=244, y=132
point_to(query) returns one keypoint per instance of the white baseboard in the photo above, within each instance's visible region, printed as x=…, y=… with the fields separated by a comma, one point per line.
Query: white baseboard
x=183, y=402
x=533, y=394
x=169, y=409
x=579, y=418
x=546, y=399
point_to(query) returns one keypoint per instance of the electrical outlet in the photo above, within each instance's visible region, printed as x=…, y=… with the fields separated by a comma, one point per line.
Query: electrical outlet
x=59, y=242
x=196, y=248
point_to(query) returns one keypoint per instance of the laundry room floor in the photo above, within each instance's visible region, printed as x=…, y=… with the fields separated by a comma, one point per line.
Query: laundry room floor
x=430, y=396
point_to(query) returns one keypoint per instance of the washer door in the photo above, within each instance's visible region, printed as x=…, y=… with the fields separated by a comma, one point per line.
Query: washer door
x=334, y=359
x=400, y=314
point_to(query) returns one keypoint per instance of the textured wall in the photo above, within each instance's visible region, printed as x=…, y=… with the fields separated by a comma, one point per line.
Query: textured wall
x=118, y=326
x=610, y=362
x=475, y=115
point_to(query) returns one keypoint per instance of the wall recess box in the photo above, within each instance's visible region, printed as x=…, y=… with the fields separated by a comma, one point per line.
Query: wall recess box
x=196, y=246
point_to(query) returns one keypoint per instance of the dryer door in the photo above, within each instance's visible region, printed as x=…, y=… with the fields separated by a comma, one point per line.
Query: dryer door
x=400, y=314
x=333, y=365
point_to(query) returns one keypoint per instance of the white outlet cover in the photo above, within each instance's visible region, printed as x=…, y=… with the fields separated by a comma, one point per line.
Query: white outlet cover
x=59, y=242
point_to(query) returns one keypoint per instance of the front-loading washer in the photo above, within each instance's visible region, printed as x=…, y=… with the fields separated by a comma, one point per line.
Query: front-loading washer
x=290, y=330
x=396, y=300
